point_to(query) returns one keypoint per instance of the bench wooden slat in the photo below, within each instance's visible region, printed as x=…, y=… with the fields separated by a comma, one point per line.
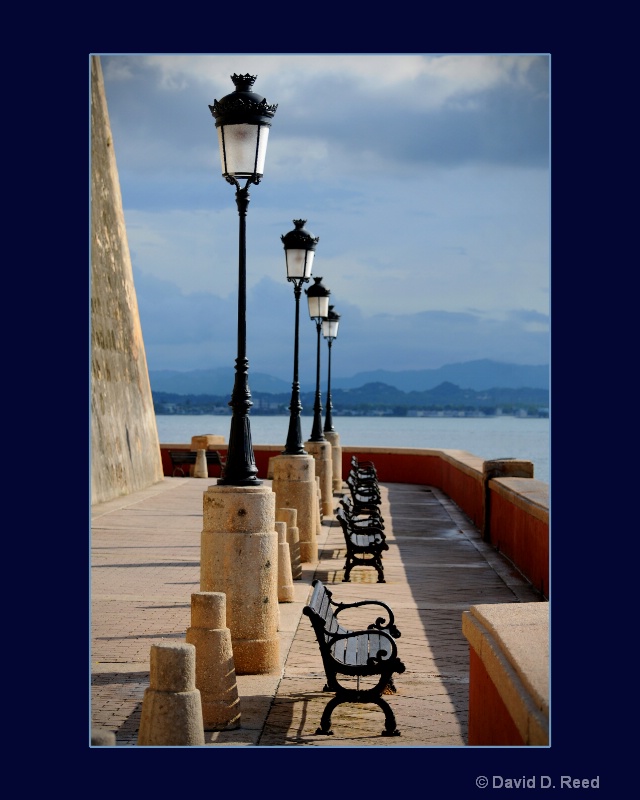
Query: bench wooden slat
x=363, y=649
x=351, y=650
x=376, y=644
x=338, y=650
x=323, y=610
x=317, y=596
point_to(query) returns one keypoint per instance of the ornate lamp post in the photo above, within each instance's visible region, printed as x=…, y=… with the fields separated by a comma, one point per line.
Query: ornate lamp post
x=239, y=542
x=243, y=119
x=299, y=248
x=330, y=332
x=318, y=299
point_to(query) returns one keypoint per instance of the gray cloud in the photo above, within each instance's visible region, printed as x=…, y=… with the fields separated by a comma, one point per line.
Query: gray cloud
x=172, y=322
x=426, y=178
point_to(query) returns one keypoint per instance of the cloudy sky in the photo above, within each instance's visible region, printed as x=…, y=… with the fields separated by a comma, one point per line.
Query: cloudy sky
x=426, y=177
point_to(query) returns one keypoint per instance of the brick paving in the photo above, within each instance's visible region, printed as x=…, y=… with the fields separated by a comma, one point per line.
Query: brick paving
x=145, y=564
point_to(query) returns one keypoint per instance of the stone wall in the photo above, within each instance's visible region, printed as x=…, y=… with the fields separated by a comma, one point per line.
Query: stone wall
x=125, y=452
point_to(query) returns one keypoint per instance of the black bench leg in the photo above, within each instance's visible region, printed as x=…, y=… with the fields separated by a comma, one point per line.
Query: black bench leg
x=380, y=571
x=325, y=721
x=390, y=728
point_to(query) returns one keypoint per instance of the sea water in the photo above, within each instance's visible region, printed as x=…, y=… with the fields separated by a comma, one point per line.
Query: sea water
x=487, y=437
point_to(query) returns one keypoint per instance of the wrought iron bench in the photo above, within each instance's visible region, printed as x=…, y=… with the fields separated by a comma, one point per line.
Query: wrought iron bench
x=180, y=458
x=365, y=544
x=365, y=497
x=361, y=519
x=363, y=470
x=370, y=653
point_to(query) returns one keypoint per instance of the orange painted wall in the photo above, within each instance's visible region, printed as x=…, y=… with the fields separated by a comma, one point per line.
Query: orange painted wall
x=399, y=467
x=489, y=720
x=523, y=538
x=465, y=490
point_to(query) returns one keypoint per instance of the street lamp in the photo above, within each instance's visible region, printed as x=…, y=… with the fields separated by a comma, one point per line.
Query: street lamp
x=318, y=299
x=299, y=249
x=330, y=332
x=243, y=119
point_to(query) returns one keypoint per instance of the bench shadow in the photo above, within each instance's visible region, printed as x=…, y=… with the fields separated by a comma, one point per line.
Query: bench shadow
x=439, y=554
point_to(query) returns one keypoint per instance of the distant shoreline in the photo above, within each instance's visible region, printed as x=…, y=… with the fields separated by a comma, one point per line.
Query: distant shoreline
x=431, y=415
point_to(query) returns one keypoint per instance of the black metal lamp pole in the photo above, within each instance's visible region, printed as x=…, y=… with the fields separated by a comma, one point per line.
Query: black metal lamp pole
x=330, y=332
x=318, y=299
x=299, y=247
x=243, y=119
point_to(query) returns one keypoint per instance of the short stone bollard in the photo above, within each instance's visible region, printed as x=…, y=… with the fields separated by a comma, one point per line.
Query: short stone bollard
x=215, y=669
x=286, y=592
x=201, y=470
x=290, y=517
x=101, y=737
x=171, y=706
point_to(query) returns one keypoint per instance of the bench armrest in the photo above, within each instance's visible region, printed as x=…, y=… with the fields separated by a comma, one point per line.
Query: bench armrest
x=380, y=624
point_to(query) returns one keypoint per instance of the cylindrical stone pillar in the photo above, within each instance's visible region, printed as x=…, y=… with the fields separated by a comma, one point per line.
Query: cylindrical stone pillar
x=285, y=578
x=321, y=451
x=201, y=470
x=294, y=484
x=171, y=707
x=215, y=668
x=239, y=557
x=290, y=517
x=336, y=459
x=319, y=510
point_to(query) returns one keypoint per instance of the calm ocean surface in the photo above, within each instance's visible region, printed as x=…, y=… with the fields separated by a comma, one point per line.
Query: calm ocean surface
x=486, y=437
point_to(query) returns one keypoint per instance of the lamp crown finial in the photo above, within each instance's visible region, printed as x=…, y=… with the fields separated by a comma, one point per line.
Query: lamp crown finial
x=299, y=237
x=243, y=83
x=243, y=105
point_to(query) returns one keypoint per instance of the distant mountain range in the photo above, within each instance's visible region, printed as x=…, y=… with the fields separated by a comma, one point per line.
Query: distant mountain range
x=478, y=375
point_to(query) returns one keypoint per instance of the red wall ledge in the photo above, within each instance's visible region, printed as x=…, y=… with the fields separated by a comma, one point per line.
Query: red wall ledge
x=508, y=673
x=519, y=526
x=510, y=509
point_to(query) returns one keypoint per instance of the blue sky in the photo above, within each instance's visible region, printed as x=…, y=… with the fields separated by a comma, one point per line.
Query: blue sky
x=426, y=177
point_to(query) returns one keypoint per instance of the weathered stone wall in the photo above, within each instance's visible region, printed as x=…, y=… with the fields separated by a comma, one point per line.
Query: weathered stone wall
x=125, y=452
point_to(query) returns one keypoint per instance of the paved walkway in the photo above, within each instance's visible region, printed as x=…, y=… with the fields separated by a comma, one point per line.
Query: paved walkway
x=145, y=552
